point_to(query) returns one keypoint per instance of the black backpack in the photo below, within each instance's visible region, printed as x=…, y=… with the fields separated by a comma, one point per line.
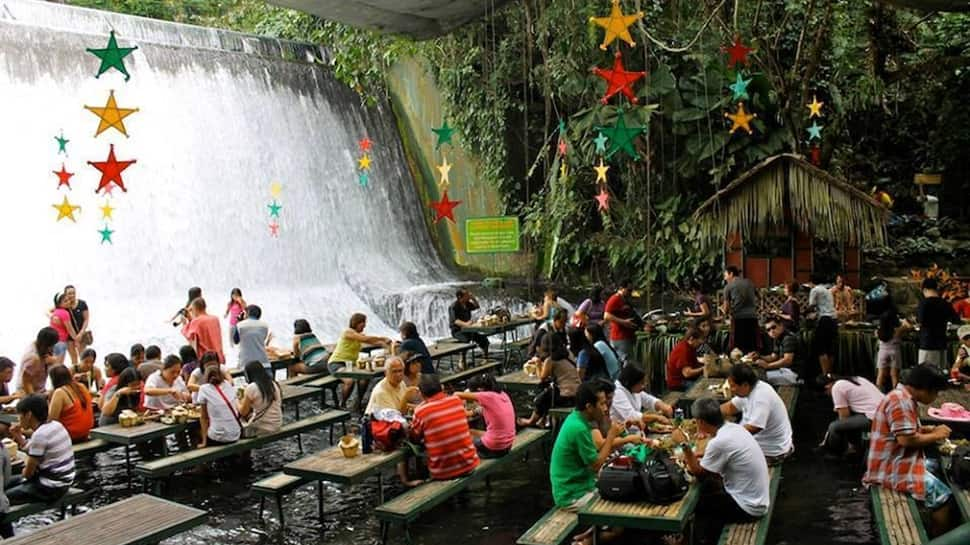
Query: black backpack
x=960, y=467
x=662, y=479
x=620, y=481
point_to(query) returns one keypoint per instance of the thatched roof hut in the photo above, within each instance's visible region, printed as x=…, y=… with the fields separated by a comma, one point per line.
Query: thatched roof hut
x=788, y=191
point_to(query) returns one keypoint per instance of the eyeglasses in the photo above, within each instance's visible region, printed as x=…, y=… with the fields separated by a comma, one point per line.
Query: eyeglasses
x=771, y=328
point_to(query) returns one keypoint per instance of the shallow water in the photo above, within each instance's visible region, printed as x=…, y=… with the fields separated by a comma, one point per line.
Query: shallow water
x=819, y=503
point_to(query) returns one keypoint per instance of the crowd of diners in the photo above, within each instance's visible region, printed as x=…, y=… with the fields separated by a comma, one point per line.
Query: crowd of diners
x=583, y=357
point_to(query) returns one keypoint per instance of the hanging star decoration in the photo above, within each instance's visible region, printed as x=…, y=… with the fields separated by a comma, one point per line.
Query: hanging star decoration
x=65, y=210
x=444, y=135
x=111, y=170
x=600, y=141
x=814, y=107
x=444, y=208
x=621, y=137
x=814, y=132
x=444, y=169
x=362, y=179
x=274, y=209
x=601, y=171
x=616, y=25
x=364, y=162
x=740, y=119
x=365, y=144
x=619, y=80
x=61, y=143
x=109, y=190
x=740, y=87
x=111, y=115
x=562, y=147
x=63, y=177
x=737, y=53
x=275, y=189
x=274, y=230
x=106, y=235
x=112, y=56
x=563, y=169
x=107, y=211
x=603, y=198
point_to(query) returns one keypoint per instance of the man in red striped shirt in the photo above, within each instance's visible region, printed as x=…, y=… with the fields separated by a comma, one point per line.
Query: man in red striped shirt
x=440, y=422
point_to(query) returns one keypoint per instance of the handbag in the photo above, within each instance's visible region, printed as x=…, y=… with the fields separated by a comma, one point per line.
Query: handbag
x=242, y=429
x=620, y=481
x=960, y=467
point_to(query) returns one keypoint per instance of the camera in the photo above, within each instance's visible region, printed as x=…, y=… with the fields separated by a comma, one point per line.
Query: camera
x=180, y=314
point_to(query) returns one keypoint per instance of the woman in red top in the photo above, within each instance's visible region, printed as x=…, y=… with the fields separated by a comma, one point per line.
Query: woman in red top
x=71, y=404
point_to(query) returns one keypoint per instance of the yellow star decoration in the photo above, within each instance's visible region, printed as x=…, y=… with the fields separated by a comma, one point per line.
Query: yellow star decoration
x=106, y=211
x=444, y=168
x=563, y=169
x=814, y=107
x=275, y=189
x=111, y=115
x=364, y=162
x=741, y=119
x=617, y=25
x=65, y=210
x=601, y=171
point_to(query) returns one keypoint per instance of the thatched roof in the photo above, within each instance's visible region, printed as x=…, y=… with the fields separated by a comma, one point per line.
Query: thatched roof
x=818, y=203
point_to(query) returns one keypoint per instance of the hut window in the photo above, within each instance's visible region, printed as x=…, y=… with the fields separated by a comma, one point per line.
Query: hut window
x=769, y=246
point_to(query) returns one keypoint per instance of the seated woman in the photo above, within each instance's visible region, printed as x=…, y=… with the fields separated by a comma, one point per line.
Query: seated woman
x=602, y=429
x=6, y=375
x=190, y=361
x=705, y=326
x=261, y=407
x=499, y=415
x=591, y=310
x=702, y=303
x=412, y=342
x=220, y=418
x=596, y=336
x=412, y=375
x=589, y=362
x=547, y=309
x=197, y=378
x=564, y=380
x=165, y=389
x=86, y=373
x=961, y=366
x=632, y=405
x=70, y=404
x=308, y=349
x=346, y=352
x=855, y=400
x=125, y=394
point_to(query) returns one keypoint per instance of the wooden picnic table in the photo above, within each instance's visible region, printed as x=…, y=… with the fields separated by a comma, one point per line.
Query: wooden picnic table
x=275, y=365
x=360, y=374
x=138, y=520
x=701, y=388
x=520, y=381
x=441, y=350
x=645, y=516
x=503, y=328
x=950, y=395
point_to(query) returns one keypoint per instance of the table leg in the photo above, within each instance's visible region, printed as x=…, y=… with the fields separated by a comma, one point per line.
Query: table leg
x=128, y=464
x=299, y=437
x=320, y=502
x=380, y=487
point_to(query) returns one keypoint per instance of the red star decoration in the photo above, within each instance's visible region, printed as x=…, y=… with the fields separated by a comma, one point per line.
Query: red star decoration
x=603, y=199
x=274, y=230
x=562, y=147
x=737, y=53
x=63, y=177
x=111, y=169
x=444, y=208
x=618, y=80
x=365, y=144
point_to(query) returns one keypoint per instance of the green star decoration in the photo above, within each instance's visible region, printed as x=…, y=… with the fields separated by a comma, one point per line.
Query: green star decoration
x=362, y=179
x=814, y=132
x=600, y=143
x=106, y=235
x=621, y=137
x=740, y=87
x=562, y=127
x=444, y=135
x=112, y=56
x=274, y=209
x=61, y=143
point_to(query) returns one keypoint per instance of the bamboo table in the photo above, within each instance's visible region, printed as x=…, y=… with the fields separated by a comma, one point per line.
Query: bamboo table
x=519, y=381
x=702, y=388
x=642, y=515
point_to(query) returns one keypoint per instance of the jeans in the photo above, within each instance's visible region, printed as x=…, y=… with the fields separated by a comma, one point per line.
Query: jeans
x=844, y=430
x=717, y=508
x=23, y=491
x=624, y=349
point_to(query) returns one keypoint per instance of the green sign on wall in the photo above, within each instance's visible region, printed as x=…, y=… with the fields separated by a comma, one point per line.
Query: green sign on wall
x=492, y=235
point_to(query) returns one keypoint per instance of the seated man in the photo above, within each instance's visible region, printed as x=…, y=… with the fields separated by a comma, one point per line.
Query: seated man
x=763, y=413
x=734, y=456
x=152, y=363
x=896, y=442
x=391, y=392
x=632, y=405
x=460, y=315
x=682, y=365
x=855, y=400
x=783, y=363
x=441, y=424
x=556, y=327
x=575, y=459
x=49, y=470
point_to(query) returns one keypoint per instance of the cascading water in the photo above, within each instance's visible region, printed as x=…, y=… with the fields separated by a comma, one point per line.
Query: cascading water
x=221, y=116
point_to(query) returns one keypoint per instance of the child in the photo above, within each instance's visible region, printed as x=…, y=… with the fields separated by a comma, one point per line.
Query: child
x=889, y=357
x=234, y=308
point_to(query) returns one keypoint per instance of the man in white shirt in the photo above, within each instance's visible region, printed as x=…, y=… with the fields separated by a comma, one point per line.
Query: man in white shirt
x=763, y=413
x=734, y=456
x=822, y=304
x=391, y=392
x=632, y=405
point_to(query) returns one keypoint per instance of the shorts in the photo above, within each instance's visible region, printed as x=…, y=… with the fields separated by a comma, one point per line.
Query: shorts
x=60, y=348
x=335, y=366
x=826, y=333
x=579, y=502
x=937, y=493
x=485, y=452
x=889, y=359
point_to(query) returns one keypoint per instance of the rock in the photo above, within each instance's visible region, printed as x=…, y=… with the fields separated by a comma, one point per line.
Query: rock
x=932, y=232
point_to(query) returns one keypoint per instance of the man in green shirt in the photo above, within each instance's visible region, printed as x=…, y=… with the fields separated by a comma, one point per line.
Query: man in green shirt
x=575, y=460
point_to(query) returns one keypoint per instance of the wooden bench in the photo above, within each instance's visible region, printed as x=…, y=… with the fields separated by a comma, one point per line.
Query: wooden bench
x=441, y=350
x=327, y=383
x=460, y=376
x=71, y=499
x=789, y=395
x=754, y=532
x=138, y=520
x=164, y=467
x=91, y=447
x=277, y=486
x=409, y=506
x=897, y=517
x=554, y=527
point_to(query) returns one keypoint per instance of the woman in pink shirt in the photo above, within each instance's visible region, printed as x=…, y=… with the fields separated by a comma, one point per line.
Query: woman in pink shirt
x=499, y=415
x=855, y=400
x=61, y=322
x=234, y=308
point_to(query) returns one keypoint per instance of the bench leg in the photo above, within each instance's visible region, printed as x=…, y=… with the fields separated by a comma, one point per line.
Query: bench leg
x=63, y=514
x=380, y=487
x=384, y=529
x=320, y=502
x=128, y=464
x=407, y=533
x=262, y=502
x=279, y=509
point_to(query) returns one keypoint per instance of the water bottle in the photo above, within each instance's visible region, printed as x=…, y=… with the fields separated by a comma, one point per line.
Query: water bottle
x=678, y=416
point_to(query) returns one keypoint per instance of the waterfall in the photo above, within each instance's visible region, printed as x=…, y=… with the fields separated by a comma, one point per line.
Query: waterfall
x=221, y=116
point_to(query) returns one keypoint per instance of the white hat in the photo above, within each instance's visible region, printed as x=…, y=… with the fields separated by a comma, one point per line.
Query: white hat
x=963, y=331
